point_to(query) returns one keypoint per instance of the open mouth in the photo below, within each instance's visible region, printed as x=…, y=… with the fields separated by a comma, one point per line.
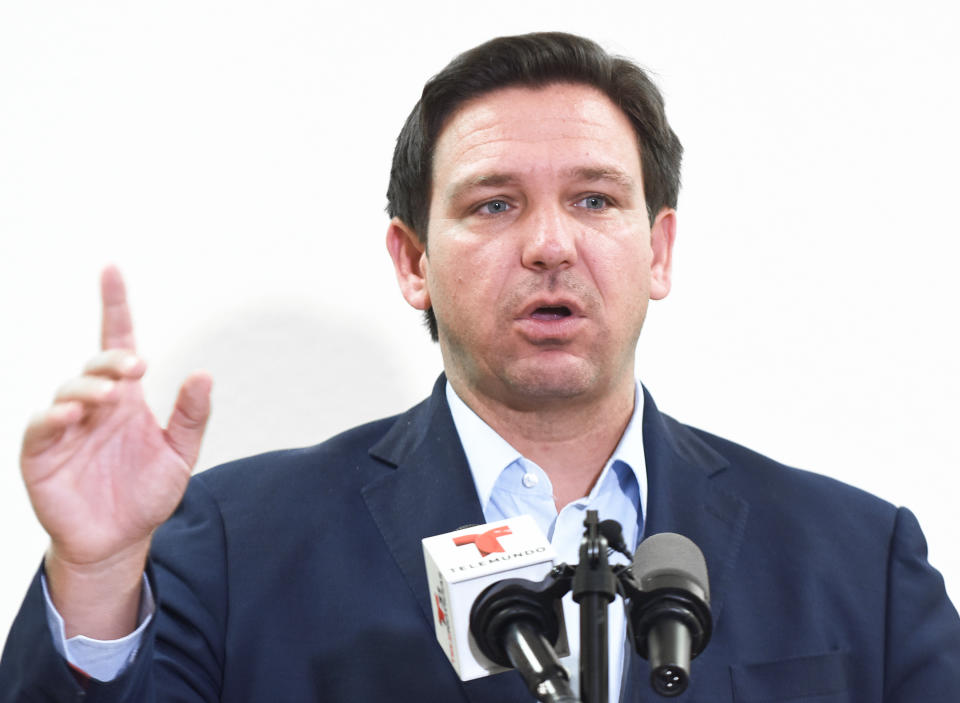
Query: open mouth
x=551, y=312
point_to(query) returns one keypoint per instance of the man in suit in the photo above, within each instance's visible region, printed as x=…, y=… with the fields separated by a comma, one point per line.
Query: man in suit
x=532, y=195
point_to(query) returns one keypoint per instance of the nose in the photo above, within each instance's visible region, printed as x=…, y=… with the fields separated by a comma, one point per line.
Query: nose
x=549, y=240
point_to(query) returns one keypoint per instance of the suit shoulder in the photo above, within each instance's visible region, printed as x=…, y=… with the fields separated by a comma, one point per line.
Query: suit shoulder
x=345, y=452
x=786, y=487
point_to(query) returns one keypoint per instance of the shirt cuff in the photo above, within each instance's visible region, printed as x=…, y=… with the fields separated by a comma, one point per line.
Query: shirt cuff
x=103, y=660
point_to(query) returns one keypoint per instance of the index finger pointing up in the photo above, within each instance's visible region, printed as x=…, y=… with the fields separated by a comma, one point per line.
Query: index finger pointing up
x=117, y=329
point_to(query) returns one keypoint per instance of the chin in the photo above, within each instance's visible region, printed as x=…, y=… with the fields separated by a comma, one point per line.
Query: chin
x=545, y=381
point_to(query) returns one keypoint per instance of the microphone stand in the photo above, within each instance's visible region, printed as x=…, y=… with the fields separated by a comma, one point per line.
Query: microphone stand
x=516, y=622
x=594, y=588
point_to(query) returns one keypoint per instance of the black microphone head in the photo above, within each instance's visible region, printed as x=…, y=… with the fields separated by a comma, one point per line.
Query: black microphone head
x=670, y=612
x=612, y=530
x=669, y=560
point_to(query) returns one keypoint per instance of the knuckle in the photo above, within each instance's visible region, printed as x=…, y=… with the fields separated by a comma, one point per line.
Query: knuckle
x=109, y=362
x=191, y=419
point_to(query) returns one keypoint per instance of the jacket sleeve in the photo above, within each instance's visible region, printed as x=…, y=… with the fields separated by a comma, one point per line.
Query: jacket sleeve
x=923, y=628
x=182, y=651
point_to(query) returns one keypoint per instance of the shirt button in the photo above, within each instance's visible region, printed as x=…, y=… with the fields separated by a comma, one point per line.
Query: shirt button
x=530, y=480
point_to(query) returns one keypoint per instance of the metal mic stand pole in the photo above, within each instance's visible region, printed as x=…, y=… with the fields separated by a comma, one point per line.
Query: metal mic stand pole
x=594, y=587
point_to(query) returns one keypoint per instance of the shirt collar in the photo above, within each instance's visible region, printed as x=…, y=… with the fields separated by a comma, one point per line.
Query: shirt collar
x=488, y=454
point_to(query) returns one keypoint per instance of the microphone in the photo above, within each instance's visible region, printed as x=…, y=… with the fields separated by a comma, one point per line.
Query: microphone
x=462, y=564
x=514, y=621
x=670, y=615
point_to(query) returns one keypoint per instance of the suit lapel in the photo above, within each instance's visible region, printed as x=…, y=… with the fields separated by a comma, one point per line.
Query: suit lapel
x=430, y=492
x=684, y=498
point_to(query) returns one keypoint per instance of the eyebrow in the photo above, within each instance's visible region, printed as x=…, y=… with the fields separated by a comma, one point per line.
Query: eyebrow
x=590, y=174
x=602, y=173
x=486, y=180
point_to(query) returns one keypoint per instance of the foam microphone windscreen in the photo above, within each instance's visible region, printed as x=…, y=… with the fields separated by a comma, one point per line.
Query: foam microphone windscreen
x=669, y=560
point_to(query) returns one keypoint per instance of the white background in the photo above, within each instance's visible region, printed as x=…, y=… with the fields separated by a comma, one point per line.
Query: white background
x=232, y=158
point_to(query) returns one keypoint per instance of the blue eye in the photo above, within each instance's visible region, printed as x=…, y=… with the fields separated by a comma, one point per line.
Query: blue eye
x=592, y=202
x=495, y=206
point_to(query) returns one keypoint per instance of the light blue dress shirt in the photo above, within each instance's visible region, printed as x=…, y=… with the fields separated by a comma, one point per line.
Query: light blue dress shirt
x=103, y=660
x=507, y=484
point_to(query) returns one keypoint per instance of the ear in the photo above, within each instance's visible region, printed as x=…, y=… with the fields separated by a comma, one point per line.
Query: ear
x=662, y=234
x=409, y=262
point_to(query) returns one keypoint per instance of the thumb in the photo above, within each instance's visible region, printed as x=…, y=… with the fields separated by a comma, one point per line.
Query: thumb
x=189, y=417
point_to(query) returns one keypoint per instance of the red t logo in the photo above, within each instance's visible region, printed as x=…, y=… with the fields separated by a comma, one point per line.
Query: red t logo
x=442, y=616
x=486, y=541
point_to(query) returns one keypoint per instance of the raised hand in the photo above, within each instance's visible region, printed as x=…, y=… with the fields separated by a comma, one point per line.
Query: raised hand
x=103, y=475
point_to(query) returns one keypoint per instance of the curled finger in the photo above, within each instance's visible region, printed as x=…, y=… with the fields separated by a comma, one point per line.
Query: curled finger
x=92, y=390
x=46, y=427
x=117, y=364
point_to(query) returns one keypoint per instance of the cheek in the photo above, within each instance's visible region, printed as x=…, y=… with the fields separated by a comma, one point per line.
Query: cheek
x=475, y=263
x=621, y=266
x=467, y=282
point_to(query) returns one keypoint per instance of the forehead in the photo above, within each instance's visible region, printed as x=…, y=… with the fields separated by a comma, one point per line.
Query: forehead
x=557, y=128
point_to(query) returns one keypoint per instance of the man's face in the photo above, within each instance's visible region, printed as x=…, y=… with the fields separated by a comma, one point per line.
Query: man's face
x=540, y=259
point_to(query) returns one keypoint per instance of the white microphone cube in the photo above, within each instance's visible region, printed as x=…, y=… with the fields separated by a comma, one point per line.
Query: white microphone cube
x=461, y=564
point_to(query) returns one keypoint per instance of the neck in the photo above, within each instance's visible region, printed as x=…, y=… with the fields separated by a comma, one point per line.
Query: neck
x=571, y=441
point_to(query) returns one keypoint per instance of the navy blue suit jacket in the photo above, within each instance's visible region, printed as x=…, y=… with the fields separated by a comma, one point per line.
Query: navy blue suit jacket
x=298, y=576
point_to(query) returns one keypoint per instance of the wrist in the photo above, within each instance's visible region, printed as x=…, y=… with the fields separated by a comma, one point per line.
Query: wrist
x=99, y=599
